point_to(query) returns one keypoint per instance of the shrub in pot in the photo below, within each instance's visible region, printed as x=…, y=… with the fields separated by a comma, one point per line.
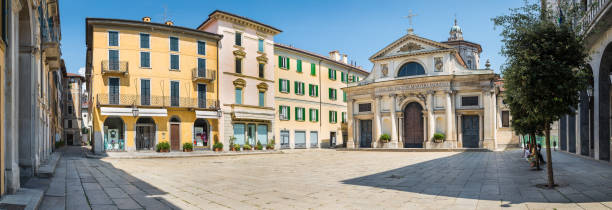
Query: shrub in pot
x=385, y=138
x=232, y=146
x=187, y=147
x=270, y=145
x=163, y=146
x=439, y=137
x=236, y=147
x=258, y=146
x=218, y=146
x=247, y=146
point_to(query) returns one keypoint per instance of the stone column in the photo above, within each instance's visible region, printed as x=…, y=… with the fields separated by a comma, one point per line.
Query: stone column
x=394, y=139
x=430, y=115
x=480, y=129
x=459, y=132
x=450, y=126
x=350, y=142
x=401, y=133
x=377, y=119
x=488, y=121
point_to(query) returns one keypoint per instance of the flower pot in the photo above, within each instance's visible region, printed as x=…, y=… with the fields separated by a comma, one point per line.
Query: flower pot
x=217, y=149
x=187, y=150
x=164, y=150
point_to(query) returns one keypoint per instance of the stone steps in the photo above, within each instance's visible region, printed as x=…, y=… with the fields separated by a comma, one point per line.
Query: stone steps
x=27, y=199
x=48, y=168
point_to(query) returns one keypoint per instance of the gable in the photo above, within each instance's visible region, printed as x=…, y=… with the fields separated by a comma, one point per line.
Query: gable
x=409, y=45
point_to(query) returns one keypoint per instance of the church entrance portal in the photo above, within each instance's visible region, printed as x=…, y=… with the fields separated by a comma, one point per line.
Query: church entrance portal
x=413, y=126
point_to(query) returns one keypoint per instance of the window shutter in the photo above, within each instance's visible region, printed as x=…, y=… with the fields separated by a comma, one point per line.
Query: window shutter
x=280, y=62
x=302, y=84
x=330, y=116
x=317, y=90
x=280, y=112
x=317, y=115
x=299, y=65
x=280, y=85
x=288, y=112
x=342, y=76
x=330, y=93
x=313, y=70
x=329, y=73
x=288, y=63
x=295, y=88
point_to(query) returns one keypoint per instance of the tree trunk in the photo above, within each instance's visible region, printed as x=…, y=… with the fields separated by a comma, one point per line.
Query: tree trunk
x=543, y=9
x=549, y=168
x=534, y=146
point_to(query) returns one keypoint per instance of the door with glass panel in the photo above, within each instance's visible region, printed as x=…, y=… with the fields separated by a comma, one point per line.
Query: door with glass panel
x=284, y=137
x=251, y=134
x=113, y=90
x=300, y=139
x=262, y=134
x=201, y=95
x=314, y=139
x=239, y=134
x=174, y=93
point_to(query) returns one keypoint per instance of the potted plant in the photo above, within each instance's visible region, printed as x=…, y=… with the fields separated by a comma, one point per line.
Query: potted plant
x=232, y=146
x=187, y=147
x=270, y=146
x=385, y=138
x=439, y=137
x=235, y=147
x=258, y=146
x=218, y=146
x=163, y=146
x=247, y=146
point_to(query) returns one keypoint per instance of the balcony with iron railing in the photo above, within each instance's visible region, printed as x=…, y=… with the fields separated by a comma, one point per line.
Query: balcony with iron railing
x=595, y=10
x=203, y=75
x=104, y=99
x=114, y=67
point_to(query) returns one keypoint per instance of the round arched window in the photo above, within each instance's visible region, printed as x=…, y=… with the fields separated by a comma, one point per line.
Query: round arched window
x=411, y=69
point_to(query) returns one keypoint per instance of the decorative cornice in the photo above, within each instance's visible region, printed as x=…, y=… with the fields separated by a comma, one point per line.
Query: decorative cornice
x=409, y=37
x=239, y=83
x=240, y=53
x=263, y=87
x=247, y=76
x=235, y=19
x=262, y=59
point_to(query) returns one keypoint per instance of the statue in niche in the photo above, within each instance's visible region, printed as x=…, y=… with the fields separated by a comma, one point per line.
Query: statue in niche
x=385, y=70
x=438, y=63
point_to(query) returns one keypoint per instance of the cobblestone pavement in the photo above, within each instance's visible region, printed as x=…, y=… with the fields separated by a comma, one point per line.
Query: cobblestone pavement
x=328, y=179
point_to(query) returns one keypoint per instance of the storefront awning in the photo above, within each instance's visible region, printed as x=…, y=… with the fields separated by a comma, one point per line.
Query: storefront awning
x=207, y=114
x=153, y=112
x=116, y=111
x=255, y=114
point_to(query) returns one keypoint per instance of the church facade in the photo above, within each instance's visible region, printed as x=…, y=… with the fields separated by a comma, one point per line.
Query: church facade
x=420, y=89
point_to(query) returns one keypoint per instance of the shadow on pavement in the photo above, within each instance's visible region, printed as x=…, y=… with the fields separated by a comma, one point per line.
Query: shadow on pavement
x=498, y=176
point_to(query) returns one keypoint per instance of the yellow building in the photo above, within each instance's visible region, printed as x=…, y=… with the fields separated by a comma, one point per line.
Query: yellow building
x=311, y=107
x=150, y=83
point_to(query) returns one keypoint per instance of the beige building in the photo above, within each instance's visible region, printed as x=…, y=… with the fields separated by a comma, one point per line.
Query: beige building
x=310, y=105
x=246, y=66
x=419, y=88
x=72, y=109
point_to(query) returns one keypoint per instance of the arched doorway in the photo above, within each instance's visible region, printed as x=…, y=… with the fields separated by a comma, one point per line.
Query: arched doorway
x=201, y=133
x=114, y=129
x=602, y=106
x=175, y=133
x=413, y=126
x=145, y=133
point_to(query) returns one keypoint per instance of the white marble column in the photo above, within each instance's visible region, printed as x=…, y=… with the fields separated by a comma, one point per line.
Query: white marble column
x=377, y=119
x=430, y=115
x=450, y=128
x=350, y=142
x=394, y=131
x=488, y=120
x=459, y=132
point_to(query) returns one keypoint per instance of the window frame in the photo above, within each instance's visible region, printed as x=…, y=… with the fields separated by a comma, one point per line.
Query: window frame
x=261, y=45
x=147, y=79
x=108, y=38
x=178, y=92
x=505, y=123
x=140, y=54
x=198, y=47
x=118, y=59
x=262, y=98
x=335, y=94
x=369, y=106
x=178, y=45
x=262, y=70
x=241, y=95
x=236, y=69
x=149, y=40
x=467, y=96
x=198, y=92
x=300, y=114
x=286, y=116
x=178, y=62
x=236, y=35
x=299, y=86
x=287, y=87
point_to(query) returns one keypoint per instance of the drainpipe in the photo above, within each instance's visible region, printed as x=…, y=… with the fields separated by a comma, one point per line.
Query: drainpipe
x=320, y=106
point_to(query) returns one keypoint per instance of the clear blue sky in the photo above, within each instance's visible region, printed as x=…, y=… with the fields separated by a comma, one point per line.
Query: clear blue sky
x=357, y=28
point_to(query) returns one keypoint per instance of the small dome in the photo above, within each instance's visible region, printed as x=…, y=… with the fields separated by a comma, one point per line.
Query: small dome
x=456, y=28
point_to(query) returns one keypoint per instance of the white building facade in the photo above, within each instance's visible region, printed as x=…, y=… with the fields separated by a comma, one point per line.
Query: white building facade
x=418, y=88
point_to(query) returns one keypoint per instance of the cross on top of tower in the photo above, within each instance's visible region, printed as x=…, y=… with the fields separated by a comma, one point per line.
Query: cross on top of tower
x=410, y=16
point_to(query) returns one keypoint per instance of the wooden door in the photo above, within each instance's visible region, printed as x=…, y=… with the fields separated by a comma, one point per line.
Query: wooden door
x=175, y=140
x=470, y=131
x=413, y=126
x=365, y=133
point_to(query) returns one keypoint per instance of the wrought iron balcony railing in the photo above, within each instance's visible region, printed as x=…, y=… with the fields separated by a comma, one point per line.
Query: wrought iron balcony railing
x=204, y=75
x=114, y=67
x=594, y=11
x=155, y=101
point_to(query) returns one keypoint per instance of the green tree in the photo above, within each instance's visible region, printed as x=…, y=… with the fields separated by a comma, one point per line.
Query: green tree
x=546, y=67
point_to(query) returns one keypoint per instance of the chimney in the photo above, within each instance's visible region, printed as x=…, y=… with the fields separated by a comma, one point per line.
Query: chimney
x=169, y=22
x=334, y=55
x=344, y=59
x=146, y=19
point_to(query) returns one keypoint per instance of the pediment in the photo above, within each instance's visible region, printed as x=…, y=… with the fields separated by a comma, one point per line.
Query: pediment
x=410, y=44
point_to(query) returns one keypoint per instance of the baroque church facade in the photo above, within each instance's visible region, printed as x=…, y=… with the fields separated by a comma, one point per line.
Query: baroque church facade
x=419, y=88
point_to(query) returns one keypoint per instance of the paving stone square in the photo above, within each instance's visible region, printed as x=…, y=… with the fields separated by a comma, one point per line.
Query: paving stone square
x=328, y=179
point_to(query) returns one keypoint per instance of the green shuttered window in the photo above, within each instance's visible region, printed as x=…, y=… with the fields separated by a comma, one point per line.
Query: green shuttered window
x=313, y=69
x=299, y=66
